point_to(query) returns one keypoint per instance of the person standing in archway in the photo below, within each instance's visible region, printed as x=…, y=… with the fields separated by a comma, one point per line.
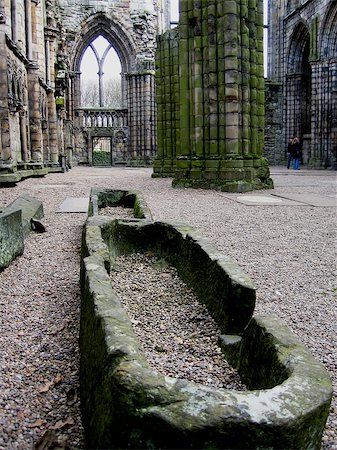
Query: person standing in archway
x=290, y=151
x=296, y=153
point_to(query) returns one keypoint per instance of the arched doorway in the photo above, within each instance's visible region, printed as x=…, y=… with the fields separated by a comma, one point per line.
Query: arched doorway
x=101, y=99
x=299, y=89
x=325, y=105
x=102, y=59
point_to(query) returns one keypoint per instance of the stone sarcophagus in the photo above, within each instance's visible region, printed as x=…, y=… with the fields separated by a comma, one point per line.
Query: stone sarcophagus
x=127, y=404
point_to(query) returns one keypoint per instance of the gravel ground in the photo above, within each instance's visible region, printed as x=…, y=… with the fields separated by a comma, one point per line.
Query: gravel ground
x=184, y=342
x=289, y=252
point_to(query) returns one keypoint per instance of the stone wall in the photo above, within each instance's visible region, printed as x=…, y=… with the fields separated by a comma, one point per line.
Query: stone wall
x=131, y=27
x=41, y=46
x=274, y=149
x=28, y=112
x=220, y=111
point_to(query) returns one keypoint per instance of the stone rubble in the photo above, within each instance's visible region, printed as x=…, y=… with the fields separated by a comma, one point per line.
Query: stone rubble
x=288, y=251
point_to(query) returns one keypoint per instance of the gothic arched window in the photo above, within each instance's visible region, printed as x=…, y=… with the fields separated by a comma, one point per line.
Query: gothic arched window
x=101, y=75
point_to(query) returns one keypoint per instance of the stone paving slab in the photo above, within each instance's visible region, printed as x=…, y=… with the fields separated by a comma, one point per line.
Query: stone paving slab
x=262, y=200
x=74, y=205
x=284, y=199
x=312, y=199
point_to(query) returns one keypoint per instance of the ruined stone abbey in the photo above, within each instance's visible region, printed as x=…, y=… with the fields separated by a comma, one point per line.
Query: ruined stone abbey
x=193, y=98
x=301, y=91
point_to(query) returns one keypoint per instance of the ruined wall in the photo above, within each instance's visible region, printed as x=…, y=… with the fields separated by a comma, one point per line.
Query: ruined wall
x=41, y=46
x=131, y=27
x=28, y=112
x=274, y=149
x=221, y=97
x=302, y=54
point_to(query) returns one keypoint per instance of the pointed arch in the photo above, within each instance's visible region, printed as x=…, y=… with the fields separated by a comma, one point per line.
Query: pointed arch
x=298, y=84
x=299, y=49
x=100, y=25
x=328, y=38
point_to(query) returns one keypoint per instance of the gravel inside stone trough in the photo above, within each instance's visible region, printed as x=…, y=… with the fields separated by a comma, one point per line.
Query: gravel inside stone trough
x=184, y=341
x=117, y=212
x=288, y=251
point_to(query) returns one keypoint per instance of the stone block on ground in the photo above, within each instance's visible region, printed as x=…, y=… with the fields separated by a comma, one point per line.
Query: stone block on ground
x=102, y=198
x=30, y=208
x=11, y=237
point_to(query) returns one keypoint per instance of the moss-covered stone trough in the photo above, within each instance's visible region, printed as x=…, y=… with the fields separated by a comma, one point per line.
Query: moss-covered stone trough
x=101, y=198
x=126, y=404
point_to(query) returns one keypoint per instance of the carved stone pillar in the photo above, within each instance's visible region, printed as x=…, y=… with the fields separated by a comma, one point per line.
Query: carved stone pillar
x=5, y=147
x=214, y=132
x=23, y=136
x=52, y=125
x=141, y=112
x=34, y=114
x=29, y=38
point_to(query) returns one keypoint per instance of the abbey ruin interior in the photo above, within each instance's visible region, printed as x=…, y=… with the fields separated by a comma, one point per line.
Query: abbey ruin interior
x=193, y=99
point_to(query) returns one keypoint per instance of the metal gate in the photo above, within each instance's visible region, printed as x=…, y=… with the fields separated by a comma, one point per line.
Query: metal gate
x=102, y=151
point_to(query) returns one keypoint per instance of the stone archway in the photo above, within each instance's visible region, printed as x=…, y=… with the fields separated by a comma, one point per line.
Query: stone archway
x=100, y=25
x=298, y=88
x=134, y=44
x=324, y=143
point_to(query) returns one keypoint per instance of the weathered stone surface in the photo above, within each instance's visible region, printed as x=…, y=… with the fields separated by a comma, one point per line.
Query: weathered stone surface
x=30, y=208
x=102, y=198
x=300, y=53
x=127, y=405
x=11, y=237
x=214, y=110
x=218, y=281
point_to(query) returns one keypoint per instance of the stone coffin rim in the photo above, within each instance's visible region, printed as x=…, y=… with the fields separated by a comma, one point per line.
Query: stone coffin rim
x=290, y=407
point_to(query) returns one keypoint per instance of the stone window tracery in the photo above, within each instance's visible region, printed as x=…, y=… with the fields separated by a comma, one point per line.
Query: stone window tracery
x=102, y=89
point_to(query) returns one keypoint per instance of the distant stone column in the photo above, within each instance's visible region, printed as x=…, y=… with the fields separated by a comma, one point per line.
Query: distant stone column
x=52, y=125
x=23, y=136
x=34, y=114
x=5, y=141
x=141, y=112
x=221, y=97
x=315, y=156
x=29, y=43
x=51, y=35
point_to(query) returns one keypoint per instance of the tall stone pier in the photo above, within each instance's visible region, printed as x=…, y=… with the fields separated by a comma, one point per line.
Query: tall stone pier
x=210, y=97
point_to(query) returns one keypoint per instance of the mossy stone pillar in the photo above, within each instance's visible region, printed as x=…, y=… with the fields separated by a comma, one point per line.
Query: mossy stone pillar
x=221, y=104
x=141, y=111
x=168, y=103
